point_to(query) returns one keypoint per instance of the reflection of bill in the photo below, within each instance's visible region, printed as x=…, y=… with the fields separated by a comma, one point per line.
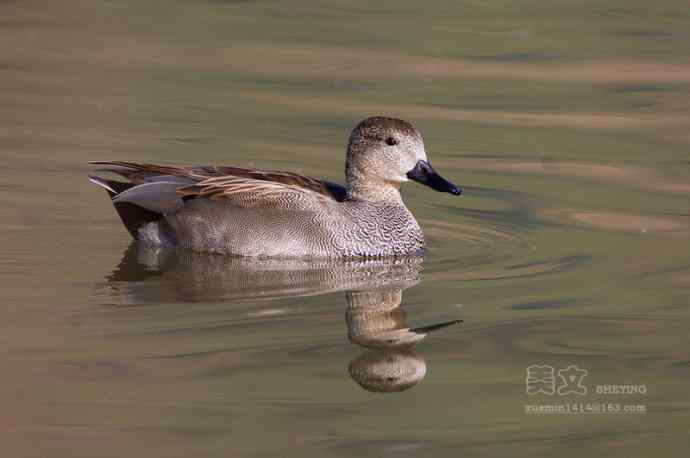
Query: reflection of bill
x=540, y=379
x=376, y=321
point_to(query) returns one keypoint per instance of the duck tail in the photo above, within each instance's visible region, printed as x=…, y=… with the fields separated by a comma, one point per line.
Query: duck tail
x=132, y=216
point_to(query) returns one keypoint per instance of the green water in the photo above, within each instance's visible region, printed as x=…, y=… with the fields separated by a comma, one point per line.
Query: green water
x=566, y=123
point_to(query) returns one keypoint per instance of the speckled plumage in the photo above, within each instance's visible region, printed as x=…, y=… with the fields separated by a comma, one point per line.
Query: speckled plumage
x=248, y=212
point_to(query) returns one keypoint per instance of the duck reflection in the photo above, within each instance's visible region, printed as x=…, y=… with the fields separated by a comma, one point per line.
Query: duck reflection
x=147, y=275
x=375, y=319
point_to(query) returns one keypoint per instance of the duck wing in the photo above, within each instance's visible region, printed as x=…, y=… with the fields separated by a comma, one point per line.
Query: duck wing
x=248, y=188
x=252, y=193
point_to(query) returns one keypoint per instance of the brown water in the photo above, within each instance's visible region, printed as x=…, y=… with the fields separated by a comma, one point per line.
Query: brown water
x=567, y=123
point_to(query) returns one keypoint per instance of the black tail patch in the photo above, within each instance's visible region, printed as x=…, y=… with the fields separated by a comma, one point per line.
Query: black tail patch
x=132, y=216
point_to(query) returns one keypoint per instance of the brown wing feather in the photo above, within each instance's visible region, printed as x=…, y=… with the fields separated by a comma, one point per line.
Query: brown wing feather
x=141, y=173
x=246, y=187
x=253, y=193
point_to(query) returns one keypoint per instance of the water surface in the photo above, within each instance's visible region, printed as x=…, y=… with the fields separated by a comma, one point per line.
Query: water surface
x=566, y=123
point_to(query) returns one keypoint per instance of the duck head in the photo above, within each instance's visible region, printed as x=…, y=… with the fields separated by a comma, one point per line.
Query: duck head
x=384, y=152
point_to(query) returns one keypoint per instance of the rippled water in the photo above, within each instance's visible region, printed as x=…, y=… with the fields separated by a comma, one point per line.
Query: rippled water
x=566, y=123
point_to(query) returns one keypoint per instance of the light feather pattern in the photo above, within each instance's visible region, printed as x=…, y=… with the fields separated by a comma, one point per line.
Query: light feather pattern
x=253, y=193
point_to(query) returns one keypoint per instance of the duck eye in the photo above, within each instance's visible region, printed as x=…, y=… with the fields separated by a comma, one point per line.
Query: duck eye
x=391, y=141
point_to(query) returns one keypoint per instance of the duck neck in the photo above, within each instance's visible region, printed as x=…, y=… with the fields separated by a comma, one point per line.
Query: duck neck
x=378, y=191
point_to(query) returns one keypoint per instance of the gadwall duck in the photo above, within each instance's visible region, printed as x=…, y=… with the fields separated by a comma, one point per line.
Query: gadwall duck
x=250, y=212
